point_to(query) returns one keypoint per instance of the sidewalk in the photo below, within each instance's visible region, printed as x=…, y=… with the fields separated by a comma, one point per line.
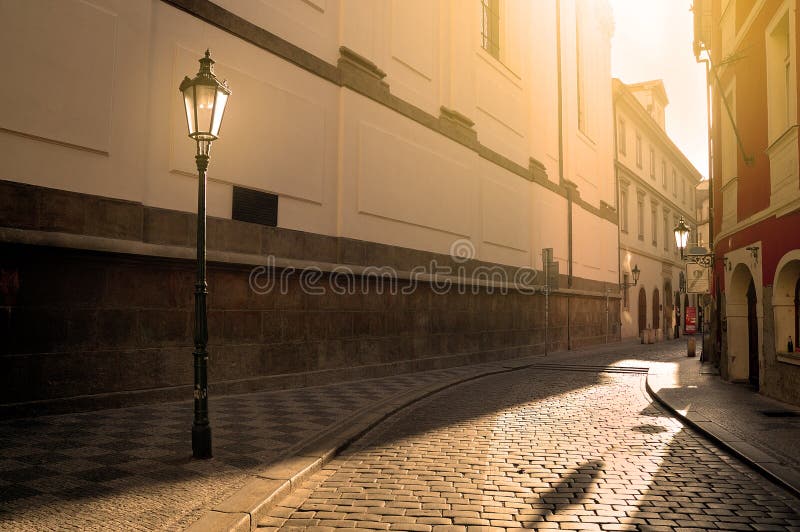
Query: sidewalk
x=759, y=430
x=130, y=469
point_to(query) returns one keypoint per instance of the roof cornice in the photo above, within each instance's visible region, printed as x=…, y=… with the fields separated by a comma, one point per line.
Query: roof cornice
x=622, y=94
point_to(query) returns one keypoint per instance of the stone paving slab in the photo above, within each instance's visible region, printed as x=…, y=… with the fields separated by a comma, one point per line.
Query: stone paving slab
x=567, y=449
x=131, y=469
x=733, y=415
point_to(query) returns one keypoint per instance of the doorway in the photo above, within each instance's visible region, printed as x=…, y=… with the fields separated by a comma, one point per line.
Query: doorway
x=752, y=334
x=642, y=310
x=656, y=311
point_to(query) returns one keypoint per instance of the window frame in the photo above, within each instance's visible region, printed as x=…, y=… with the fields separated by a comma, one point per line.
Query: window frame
x=490, y=27
x=638, y=149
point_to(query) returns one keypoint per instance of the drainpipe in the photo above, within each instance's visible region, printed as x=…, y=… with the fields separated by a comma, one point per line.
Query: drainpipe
x=560, y=111
x=717, y=339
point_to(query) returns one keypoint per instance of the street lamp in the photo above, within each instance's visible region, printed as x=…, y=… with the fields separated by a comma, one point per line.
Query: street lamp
x=681, y=235
x=204, y=98
x=635, y=272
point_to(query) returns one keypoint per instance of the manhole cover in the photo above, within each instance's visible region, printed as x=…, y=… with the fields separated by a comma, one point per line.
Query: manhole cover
x=780, y=413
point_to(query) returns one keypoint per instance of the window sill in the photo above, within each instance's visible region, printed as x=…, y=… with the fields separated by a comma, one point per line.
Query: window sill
x=789, y=358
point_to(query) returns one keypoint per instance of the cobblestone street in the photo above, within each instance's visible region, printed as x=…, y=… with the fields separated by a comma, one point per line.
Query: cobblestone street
x=548, y=448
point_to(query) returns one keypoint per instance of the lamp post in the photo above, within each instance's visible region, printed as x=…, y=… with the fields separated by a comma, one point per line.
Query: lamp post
x=204, y=99
x=635, y=273
x=705, y=260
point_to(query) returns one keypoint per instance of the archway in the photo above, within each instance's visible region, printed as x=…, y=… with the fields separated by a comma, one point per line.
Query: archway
x=669, y=311
x=786, y=302
x=642, y=310
x=742, y=316
x=752, y=335
x=656, y=310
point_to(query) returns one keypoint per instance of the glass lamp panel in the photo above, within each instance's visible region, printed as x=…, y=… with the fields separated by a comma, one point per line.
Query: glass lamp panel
x=188, y=101
x=219, y=110
x=684, y=238
x=205, y=109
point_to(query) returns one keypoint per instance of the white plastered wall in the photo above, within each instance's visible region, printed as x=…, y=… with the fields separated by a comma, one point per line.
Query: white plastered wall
x=341, y=163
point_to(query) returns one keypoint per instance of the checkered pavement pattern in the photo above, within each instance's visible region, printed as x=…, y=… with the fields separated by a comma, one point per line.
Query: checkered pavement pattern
x=131, y=468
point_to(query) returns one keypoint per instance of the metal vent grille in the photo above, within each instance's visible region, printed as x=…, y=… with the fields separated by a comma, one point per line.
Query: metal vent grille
x=255, y=207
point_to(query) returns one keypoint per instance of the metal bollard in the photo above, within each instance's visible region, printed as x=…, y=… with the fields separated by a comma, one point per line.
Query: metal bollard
x=690, y=347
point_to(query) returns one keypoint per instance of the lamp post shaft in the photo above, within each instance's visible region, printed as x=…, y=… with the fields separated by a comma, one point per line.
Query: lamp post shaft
x=201, y=427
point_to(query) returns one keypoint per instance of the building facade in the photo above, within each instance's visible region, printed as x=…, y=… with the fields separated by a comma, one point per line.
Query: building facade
x=752, y=51
x=360, y=138
x=656, y=188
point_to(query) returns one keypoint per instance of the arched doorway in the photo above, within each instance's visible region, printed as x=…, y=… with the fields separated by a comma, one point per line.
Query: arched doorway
x=642, y=310
x=742, y=315
x=786, y=302
x=656, y=310
x=669, y=311
x=752, y=334
x=796, y=313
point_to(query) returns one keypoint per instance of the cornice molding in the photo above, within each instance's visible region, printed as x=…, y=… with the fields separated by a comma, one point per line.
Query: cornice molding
x=623, y=95
x=364, y=77
x=653, y=191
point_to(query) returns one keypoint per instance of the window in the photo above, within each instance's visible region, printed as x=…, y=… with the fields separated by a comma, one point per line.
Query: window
x=683, y=191
x=781, y=94
x=652, y=163
x=623, y=210
x=666, y=232
x=663, y=173
x=674, y=184
x=654, y=217
x=640, y=215
x=638, y=150
x=580, y=75
x=490, y=27
x=621, y=138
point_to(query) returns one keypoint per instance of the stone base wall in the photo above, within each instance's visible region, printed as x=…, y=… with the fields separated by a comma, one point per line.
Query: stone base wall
x=779, y=380
x=99, y=313
x=86, y=330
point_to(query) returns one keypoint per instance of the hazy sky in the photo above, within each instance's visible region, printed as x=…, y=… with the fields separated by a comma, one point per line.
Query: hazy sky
x=653, y=40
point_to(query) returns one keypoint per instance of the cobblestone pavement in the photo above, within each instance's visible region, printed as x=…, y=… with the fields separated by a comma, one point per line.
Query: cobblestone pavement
x=545, y=448
x=131, y=468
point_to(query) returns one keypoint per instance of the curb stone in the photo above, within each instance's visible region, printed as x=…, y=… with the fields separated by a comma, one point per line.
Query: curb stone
x=758, y=460
x=242, y=511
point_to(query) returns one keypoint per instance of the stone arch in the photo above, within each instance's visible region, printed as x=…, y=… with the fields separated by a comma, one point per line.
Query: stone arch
x=739, y=333
x=785, y=294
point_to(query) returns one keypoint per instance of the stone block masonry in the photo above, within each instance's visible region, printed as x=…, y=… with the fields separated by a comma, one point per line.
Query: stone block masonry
x=99, y=312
